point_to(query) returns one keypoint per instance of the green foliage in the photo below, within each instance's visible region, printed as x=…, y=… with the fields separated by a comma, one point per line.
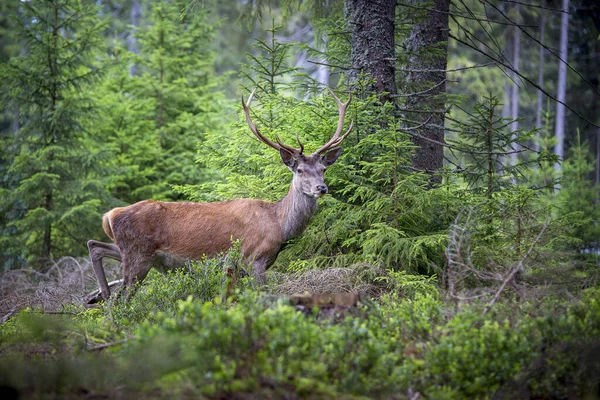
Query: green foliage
x=49, y=196
x=497, y=349
x=152, y=122
x=486, y=143
x=224, y=349
x=578, y=194
x=131, y=144
x=202, y=280
x=510, y=217
x=267, y=70
x=411, y=285
x=176, y=59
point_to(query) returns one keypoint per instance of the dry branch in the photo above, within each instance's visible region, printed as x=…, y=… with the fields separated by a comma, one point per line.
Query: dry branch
x=66, y=282
x=517, y=268
x=103, y=346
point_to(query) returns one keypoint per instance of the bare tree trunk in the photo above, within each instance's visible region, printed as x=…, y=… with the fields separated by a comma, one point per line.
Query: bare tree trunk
x=559, y=149
x=540, y=82
x=514, y=103
x=372, y=23
x=597, y=166
x=15, y=123
x=322, y=74
x=135, y=14
x=597, y=156
x=506, y=108
x=505, y=116
x=427, y=72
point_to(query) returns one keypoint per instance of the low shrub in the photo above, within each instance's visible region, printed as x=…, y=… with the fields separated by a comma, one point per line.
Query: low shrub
x=243, y=346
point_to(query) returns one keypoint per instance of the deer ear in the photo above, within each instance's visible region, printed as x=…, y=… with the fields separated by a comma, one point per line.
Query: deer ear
x=287, y=158
x=331, y=156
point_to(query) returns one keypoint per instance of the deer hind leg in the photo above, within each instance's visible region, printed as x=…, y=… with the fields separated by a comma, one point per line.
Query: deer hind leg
x=99, y=250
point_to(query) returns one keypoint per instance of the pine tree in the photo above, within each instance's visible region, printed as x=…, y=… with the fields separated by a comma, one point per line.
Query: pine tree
x=51, y=200
x=176, y=74
x=578, y=194
x=154, y=119
x=130, y=139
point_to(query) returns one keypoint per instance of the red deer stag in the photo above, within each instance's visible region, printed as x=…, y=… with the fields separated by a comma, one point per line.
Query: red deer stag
x=165, y=235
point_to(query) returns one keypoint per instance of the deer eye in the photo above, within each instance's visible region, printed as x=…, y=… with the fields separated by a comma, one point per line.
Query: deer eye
x=299, y=171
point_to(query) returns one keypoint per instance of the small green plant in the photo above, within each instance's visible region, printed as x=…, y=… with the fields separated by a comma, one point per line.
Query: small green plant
x=203, y=280
x=578, y=194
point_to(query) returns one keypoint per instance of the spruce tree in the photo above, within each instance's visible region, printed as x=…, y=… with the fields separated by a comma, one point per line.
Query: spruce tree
x=155, y=119
x=53, y=205
x=579, y=194
x=130, y=139
x=177, y=76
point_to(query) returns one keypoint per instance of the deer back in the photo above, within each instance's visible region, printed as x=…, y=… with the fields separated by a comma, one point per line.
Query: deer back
x=192, y=230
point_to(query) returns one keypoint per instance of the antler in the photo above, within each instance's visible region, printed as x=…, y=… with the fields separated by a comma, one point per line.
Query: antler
x=336, y=139
x=277, y=146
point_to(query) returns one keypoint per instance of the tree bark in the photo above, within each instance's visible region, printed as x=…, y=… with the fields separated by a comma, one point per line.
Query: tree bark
x=540, y=82
x=372, y=23
x=135, y=14
x=514, y=103
x=427, y=72
x=559, y=149
x=597, y=166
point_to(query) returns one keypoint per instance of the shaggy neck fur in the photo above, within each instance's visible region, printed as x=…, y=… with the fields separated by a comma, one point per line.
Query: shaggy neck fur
x=295, y=211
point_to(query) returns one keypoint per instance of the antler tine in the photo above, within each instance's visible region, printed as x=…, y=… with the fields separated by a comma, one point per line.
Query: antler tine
x=277, y=146
x=253, y=128
x=289, y=148
x=339, y=140
x=299, y=143
x=336, y=139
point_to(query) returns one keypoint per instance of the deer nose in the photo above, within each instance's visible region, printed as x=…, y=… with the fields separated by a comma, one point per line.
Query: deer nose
x=322, y=189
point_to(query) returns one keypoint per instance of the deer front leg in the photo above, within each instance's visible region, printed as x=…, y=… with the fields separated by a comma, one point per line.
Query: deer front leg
x=259, y=271
x=99, y=250
x=260, y=266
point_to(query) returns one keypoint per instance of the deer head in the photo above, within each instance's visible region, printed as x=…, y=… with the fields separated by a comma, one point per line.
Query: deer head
x=308, y=170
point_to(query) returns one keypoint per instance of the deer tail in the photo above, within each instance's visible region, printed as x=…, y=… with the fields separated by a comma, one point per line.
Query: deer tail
x=106, y=224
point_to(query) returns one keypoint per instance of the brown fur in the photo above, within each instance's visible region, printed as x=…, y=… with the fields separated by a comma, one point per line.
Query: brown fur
x=193, y=230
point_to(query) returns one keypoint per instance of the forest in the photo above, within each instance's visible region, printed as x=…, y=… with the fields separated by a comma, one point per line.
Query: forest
x=455, y=250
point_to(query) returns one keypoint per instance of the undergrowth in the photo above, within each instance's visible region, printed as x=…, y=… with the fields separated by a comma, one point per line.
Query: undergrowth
x=180, y=336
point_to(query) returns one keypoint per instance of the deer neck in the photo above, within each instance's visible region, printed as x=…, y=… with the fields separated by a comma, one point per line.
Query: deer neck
x=294, y=212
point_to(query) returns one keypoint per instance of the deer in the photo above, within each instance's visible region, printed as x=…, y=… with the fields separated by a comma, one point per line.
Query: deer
x=166, y=235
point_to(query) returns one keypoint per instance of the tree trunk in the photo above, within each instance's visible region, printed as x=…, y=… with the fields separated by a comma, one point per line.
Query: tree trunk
x=427, y=72
x=559, y=149
x=540, y=82
x=597, y=180
x=514, y=102
x=372, y=23
x=47, y=236
x=135, y=14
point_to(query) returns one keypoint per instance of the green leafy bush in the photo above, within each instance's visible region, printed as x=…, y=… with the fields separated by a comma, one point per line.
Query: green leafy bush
x=216, y=348
x=159, y=294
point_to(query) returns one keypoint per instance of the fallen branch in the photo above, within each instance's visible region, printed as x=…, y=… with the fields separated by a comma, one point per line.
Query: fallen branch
x=512, y=273
x=6, y=317
x=100, y=347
